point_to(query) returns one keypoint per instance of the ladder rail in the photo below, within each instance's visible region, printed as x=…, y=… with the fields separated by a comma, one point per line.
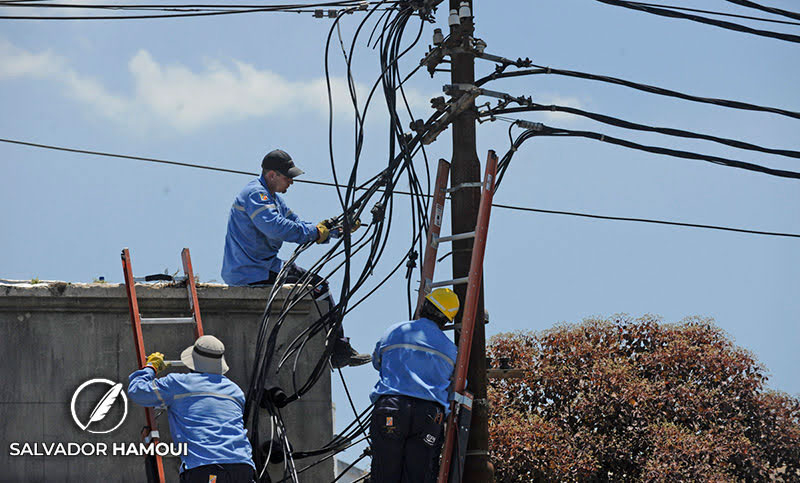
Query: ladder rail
x=434, y=228
x=470, y=309
x=136, y=324
x=191, y=288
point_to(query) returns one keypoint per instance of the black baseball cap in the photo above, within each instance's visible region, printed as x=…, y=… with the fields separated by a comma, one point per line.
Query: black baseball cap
x=280, y=161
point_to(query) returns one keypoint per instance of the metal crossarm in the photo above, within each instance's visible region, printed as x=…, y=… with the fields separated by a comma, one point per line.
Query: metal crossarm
x=154, y=465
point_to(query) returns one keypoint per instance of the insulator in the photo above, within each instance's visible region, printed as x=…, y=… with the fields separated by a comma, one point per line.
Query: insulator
x=438, y=37
x=453, y=19
x=464, y=11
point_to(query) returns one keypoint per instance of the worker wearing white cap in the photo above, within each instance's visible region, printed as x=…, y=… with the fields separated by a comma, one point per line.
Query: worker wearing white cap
x=204, y=409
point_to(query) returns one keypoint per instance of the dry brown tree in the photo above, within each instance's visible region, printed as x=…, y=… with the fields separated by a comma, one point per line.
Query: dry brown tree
x=637, y=400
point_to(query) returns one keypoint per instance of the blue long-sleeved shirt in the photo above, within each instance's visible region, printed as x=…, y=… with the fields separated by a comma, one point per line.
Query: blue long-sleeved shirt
x=415, y=359
x=204, y=410
x=258, y=224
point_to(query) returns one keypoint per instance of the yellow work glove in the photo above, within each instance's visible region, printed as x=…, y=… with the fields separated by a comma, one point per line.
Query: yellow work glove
x=356, y=225
x=156, y=361
x=324, y=232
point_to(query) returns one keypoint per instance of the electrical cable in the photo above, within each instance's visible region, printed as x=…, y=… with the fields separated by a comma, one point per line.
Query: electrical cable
x=553, y=131
x=776, y=11
x=696, y=18
x=642, y=87
x=291, y=9
x=647, y=220
x=352, y=206
x=496, y=205
x=723, y=14
x=344, y=472
x=642, y=127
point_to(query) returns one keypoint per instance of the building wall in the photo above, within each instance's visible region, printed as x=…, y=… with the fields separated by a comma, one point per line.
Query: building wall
x=54, y=336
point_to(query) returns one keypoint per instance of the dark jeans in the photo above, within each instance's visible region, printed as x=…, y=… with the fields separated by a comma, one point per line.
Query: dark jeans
x=228, y=473
x=407, y=437
x=323, y=299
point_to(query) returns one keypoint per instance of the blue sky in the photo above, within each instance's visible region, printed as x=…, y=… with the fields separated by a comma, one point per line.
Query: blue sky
x=223, y=91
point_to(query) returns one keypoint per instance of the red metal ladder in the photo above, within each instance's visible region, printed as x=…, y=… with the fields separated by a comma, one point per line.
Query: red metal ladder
x=451, y=468
x=154, y=464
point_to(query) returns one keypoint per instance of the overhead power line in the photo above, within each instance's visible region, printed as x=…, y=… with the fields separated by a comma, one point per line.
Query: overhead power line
x=322, y=183
x=646, y=220
x=723, y=14
x=195, y=10
x=543, y=130
x=696, y=18
x=776, y=11
x=641, y=87
x=613, y=121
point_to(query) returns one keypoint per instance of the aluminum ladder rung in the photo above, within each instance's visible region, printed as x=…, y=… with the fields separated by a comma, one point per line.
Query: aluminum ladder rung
x=167, y=320
x=457, y=236
x=455, y=281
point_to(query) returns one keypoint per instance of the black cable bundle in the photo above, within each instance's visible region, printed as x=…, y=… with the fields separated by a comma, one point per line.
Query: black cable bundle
x=355, y=200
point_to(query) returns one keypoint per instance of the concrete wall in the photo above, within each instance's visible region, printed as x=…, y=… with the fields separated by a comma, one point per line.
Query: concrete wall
x=55, y=336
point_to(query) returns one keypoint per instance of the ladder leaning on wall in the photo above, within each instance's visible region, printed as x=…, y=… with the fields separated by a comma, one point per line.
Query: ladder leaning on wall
x=154, y=465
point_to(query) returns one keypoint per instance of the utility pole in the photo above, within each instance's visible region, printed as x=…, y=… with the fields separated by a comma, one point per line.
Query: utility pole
x=465, y=168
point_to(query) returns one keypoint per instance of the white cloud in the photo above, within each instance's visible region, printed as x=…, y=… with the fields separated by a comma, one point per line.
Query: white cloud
x=555, y=99
x=15, y=62
x=176, y=96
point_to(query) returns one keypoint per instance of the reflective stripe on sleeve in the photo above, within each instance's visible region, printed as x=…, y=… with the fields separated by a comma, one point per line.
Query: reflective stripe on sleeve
x=237, y=207
x=419, y=348
x=262, y=209
x=158, y=393
x=212, y=394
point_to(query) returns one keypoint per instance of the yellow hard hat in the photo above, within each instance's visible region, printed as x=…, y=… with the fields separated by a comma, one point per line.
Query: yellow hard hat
x=446, y=301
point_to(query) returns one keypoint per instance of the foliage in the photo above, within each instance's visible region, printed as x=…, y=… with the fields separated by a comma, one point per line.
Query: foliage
x=637, y=400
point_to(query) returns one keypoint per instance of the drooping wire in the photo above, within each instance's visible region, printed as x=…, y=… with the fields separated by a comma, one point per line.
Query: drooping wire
x=543, y=130
x=696, y=18
x=638, y=86
x=722, y=14
x=776, y=11
x=352, y=206
x=642, y=127
x=197, y=12
x=406, y=193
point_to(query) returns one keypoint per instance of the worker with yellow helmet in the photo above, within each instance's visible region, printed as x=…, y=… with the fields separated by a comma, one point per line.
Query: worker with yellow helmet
x=416, y=362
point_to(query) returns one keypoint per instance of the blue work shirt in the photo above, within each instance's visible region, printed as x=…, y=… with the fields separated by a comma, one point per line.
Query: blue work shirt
x=204, y=410
x=258, y=224
x=415, y=359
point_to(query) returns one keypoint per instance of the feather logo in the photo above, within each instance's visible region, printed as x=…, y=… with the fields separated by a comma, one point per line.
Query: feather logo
x=102, y=407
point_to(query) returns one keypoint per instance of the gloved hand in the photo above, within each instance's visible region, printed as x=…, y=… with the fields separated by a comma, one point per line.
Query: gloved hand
x=324, y=231
x=156, y=361
x=336, y=232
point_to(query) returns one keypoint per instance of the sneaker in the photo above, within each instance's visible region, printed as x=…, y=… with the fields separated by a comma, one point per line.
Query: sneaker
x=344, y=355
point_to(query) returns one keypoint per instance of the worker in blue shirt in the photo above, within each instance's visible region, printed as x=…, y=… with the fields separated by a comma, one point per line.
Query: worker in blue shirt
x=416, y=362
x=258, y=224
x=204, y=409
